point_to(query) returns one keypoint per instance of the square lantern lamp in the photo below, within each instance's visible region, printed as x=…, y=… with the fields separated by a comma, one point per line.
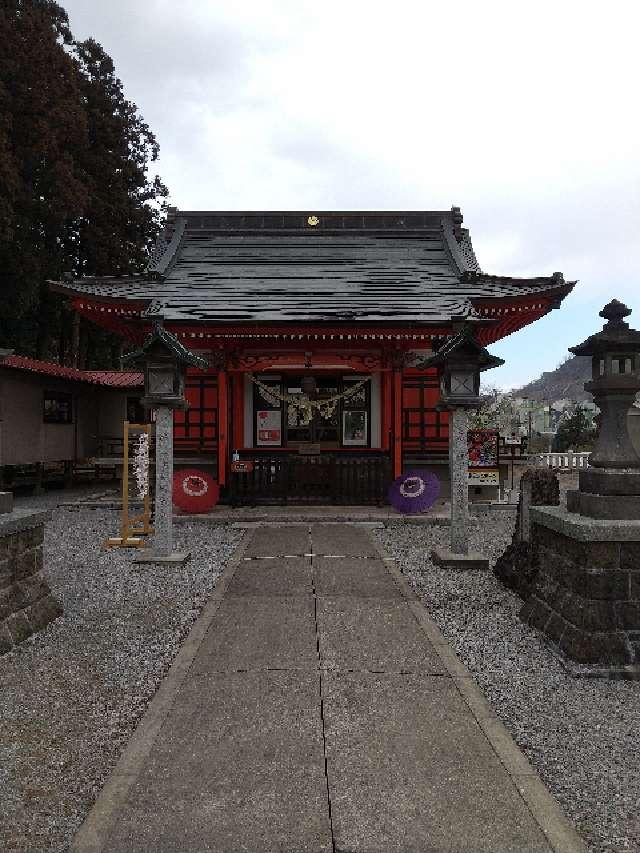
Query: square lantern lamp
x=460, y=382
x=164, y=361
x=163, y=382
x=615, y=351
x=460, y=361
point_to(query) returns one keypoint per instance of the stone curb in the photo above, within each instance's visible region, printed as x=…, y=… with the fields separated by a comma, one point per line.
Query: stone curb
x=342, y=515
x=545, y=809
x=22, y=519
x=93, y=833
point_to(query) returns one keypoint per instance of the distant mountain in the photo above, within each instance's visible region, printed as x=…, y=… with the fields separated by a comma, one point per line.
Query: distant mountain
x=565, y=382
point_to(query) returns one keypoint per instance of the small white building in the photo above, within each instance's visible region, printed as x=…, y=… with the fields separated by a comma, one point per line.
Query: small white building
x=55, y=418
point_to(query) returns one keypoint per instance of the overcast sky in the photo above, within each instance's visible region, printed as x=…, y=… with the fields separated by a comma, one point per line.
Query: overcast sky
x=525, y=115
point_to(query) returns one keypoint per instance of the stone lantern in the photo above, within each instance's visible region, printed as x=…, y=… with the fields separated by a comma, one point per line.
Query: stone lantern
x=460, y=361
x=610, y=487
x=164, y=361
x=586, y=592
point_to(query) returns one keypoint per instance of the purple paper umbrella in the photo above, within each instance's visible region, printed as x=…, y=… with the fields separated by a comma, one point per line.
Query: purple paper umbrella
x=415, y=491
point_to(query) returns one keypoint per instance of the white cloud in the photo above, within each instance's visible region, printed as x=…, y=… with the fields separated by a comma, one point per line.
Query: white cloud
x=523, y=114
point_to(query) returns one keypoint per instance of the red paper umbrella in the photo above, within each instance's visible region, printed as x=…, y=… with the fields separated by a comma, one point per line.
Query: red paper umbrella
x=195, y=491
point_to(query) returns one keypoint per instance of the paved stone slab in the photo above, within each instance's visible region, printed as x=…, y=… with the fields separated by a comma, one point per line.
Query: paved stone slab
x=256, y=632
x=238, y=766
x=395, y=801
x=342, y=539
x=409, y=770
x=390, y=703
x=261, y=729
x=282, y=576
x=365, y=578
x=279, y=542
x=373, y=634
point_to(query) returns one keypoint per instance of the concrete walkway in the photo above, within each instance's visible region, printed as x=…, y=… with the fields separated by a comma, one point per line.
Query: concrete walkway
x=316, y=707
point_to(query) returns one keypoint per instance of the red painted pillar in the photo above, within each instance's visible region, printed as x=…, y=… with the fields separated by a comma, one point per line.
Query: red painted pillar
x=223, y=426
x=397, y=423
x=387, y=410
x=237, y=417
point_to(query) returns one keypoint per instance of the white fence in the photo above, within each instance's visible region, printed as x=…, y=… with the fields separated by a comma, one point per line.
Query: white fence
x=563, y=461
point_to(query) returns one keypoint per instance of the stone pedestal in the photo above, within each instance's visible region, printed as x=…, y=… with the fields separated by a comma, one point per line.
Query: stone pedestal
x=26, y=602
x=608, y=493
x=518, y=566
x=458, y=556
x=162, y=546
x=451, y=560
x=459, y=467
x=586, y=594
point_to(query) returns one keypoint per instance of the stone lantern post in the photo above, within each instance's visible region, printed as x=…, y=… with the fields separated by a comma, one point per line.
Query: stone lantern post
x=460, y=361
x=610, y=487
x=586, y=592
x=164, y=360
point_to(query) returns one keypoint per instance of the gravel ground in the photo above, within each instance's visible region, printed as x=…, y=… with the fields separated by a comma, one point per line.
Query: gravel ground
x=71, y=696
x=580, y=734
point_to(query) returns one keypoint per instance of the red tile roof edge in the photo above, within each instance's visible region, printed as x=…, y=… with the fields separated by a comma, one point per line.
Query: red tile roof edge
x=105, y=378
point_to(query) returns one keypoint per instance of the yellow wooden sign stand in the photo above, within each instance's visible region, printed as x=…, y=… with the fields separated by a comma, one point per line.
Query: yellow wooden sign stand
x=131, y=533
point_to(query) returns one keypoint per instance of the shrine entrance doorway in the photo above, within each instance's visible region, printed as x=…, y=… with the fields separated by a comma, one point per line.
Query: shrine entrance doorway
x=345, y=412
x=323, y=430
x=326, y=453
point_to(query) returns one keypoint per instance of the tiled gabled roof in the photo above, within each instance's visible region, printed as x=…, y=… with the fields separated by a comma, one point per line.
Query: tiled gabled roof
x=275, y=267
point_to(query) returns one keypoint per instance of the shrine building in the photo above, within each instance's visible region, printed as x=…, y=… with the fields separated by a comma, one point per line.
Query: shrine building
x=338, y=308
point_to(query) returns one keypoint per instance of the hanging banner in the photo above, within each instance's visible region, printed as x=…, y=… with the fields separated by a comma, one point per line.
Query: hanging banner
x=269, y=428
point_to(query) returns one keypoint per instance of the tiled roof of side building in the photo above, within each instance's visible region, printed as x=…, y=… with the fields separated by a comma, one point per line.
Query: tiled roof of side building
x=275, y=267
x=107, y=378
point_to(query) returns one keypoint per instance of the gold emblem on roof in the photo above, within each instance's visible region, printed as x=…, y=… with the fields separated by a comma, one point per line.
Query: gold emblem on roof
x=313, y=220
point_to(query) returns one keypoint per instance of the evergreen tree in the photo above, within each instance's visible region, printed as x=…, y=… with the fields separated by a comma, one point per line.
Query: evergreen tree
x=121, y=218
x=75, y=194
x=41, y=190
x=574, y=433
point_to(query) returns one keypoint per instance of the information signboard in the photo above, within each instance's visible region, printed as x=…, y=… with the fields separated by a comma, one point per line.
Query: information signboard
x=483, y=477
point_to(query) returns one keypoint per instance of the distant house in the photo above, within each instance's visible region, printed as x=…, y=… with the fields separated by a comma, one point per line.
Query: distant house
x=52, y=418
x=533, y=417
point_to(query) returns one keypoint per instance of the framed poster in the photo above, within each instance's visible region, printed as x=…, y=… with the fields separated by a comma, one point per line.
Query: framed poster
x=269, y=427
x=354, y=428
x=483, y=448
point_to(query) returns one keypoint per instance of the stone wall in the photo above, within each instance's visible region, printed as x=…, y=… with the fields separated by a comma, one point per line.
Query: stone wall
x=586, y=597
x=26, y=602
x=518, y=566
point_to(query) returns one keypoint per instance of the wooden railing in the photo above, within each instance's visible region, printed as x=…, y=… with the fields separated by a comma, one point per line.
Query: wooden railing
x=325, y=479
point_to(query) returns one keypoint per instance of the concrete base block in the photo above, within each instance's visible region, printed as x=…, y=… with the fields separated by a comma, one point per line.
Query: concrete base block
x=610, y=506
x=451, y=560
x=178, y=557
x=26, y=602
x=585, y=597
x=624, y=672
x=573, y=500
x=6, y=501
x=607, y=481
x=131, y=542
